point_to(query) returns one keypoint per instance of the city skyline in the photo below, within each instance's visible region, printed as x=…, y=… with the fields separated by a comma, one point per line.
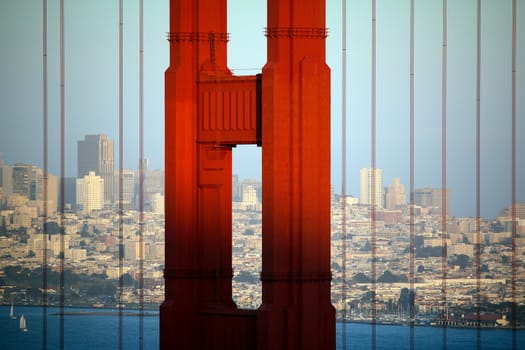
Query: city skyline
x=90, y=244
x=91, y=75
x=424, y=196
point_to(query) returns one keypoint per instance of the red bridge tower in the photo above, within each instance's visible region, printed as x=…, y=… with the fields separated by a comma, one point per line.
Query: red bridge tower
x=286, y=110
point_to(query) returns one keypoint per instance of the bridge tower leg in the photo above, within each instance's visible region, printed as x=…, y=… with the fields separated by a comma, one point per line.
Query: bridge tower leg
x=198, y=269
x=296, y=312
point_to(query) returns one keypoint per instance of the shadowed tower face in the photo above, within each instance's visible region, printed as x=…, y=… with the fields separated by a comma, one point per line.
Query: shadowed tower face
x=286, y=110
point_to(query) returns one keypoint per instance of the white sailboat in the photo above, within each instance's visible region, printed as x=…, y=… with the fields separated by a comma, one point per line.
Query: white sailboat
x=23, y=326
x=12, y=313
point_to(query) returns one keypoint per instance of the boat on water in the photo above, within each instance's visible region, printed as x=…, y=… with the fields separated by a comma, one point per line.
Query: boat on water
x=12, y=313
x=23, y=326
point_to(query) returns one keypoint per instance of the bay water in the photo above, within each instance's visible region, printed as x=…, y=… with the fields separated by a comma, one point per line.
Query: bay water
x=99, y=329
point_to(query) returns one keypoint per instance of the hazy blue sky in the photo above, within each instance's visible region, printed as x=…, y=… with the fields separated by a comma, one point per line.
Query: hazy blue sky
x=91, y=41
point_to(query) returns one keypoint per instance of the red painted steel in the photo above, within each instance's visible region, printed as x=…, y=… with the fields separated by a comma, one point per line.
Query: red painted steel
x=228, y=110
x=208, y=110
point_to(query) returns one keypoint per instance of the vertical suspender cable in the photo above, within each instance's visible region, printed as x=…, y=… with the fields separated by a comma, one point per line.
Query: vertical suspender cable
x=120, y=182
x=478, y=176
x=141, y=173
x=444, y=175
x=62, y=170
x=45, y=165
x=374, y=179
x=411, y=268
x=343, y=176
x=513, y=179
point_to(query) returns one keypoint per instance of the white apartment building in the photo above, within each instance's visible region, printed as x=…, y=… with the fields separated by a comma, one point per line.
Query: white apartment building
x=90, y=192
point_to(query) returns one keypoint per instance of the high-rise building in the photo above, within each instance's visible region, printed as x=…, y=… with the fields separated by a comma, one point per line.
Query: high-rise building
x=6, y=179
x=70, y=191
x=95, y=153
x=22, y=178
x=520, y=211
x=255, y=184
x=37, y=186
x=157, y=204
x=37, y=189
x=90, y=192
x=371, y=187
x=1, y=172
x=431, y=198
x=128, y=188
x=249, y=195
x=153, y=183
x=395, y=197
